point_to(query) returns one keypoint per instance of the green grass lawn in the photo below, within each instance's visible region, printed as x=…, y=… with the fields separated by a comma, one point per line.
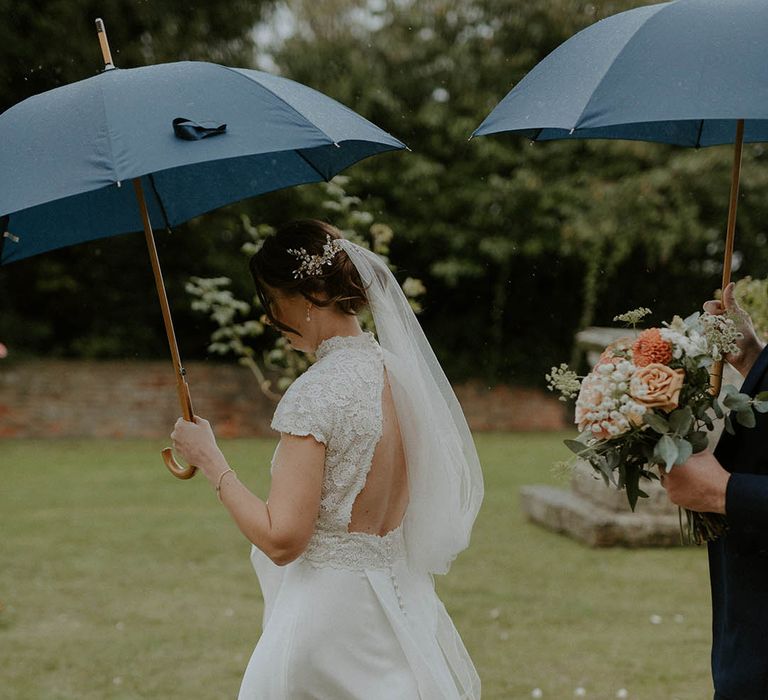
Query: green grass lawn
x=117, y=581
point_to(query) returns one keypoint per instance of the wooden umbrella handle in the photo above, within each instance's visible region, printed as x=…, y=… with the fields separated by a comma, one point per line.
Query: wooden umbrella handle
x=181, y=381
x=716, y=373
x=181, y=472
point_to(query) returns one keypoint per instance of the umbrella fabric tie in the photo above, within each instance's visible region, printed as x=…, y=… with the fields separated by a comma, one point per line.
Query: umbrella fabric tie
x=192, y=131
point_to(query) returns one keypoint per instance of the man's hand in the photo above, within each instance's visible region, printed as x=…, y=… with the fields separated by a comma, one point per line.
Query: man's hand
x=750, y=345
x=698, y=484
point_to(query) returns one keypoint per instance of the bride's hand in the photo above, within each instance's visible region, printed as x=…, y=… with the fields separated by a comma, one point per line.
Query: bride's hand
x=196, y=443
x=749, y=344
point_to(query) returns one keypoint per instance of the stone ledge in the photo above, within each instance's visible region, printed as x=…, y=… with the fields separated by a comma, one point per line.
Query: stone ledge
x=571, y=514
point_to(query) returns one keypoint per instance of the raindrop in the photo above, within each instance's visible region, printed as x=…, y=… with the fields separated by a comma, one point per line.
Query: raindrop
x=440, y=94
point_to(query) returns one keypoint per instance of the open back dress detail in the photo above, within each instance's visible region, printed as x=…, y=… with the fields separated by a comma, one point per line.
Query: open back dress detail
x=350, y=619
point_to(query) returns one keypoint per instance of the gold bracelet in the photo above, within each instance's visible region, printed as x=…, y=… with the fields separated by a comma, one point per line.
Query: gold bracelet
x=218, y=484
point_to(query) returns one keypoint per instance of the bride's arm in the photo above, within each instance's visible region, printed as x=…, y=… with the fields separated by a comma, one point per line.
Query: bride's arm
x=282, y=526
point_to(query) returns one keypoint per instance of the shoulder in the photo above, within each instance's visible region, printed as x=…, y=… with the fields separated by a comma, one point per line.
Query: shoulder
x=308, y=388
x=310, y=404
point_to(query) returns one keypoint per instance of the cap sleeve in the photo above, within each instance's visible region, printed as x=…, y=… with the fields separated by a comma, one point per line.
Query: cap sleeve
x=305, y=410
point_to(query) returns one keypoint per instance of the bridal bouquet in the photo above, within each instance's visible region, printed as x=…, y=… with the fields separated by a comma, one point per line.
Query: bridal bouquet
x=647, y=402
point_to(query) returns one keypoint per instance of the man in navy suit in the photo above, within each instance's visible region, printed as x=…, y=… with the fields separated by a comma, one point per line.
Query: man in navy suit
x=734, y=481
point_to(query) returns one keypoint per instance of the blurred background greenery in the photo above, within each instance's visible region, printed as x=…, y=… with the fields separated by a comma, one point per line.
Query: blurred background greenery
x=519, y=245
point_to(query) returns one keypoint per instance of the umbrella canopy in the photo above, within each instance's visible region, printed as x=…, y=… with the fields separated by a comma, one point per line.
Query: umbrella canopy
x=65, y=154
x=680, y=72
x=689, y=72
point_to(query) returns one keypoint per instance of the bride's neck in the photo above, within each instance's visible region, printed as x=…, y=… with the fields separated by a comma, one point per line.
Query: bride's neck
x=338, y=326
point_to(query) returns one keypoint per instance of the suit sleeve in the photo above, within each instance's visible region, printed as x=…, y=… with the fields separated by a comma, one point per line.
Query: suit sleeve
x=746, y=502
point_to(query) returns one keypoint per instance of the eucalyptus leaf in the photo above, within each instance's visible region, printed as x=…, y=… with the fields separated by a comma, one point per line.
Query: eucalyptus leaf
x=698, y=440
x=606, y=478
x=729, y=425
x=717, y=408
x=657, y=423
x=684, y=450
x=605, y=470
x=681, y=421
x=760, y=406
x=666, y=452
x=575, y=446
x=746, y=418
x=737, y=402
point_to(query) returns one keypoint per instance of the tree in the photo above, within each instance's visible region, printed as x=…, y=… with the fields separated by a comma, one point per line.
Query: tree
x=525, y=244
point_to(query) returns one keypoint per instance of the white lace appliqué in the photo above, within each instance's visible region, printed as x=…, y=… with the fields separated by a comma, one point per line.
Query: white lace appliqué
x=338, y=402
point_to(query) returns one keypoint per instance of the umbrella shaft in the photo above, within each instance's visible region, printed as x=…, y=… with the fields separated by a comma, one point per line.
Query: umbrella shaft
x=733, y=203
x=181, y=382
x=716, y=373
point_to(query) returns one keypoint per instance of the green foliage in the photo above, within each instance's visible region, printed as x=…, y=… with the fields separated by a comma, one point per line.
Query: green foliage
x=520, y=245
x=752, y=295
x=524, y=244
x=236, y=331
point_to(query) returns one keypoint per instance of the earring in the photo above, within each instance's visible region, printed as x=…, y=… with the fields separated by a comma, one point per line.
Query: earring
x=309, y=306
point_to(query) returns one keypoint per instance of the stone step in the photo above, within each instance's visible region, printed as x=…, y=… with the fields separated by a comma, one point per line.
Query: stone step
x=571, y=514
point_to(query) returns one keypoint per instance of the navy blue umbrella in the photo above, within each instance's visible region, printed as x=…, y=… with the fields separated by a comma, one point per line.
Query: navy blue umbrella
x=163, y=143
x=689, y=72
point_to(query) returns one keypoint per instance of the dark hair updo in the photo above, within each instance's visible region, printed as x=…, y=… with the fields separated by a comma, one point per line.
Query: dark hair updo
x=339, y=283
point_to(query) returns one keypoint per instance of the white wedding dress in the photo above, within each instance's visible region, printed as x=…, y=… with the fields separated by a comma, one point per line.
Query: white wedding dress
x=351, y=618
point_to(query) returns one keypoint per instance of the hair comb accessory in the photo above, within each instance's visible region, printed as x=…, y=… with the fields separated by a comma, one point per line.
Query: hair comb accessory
x=312, y=265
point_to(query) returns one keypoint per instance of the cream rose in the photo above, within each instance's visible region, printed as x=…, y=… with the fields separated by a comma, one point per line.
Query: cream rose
x=657, y=386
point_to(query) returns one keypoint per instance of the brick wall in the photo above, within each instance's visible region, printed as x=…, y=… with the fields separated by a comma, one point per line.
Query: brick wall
x=62, y=398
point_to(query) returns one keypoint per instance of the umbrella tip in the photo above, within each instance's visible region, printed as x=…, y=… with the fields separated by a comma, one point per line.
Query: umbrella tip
x=104, y=43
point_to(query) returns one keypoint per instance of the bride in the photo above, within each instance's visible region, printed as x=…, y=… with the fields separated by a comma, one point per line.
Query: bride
x=375, y=487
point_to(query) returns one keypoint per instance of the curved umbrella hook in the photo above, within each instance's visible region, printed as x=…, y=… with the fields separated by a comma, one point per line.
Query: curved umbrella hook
x=179, y=471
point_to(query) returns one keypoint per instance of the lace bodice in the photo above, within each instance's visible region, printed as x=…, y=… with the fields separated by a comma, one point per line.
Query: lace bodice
x=338, y=401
